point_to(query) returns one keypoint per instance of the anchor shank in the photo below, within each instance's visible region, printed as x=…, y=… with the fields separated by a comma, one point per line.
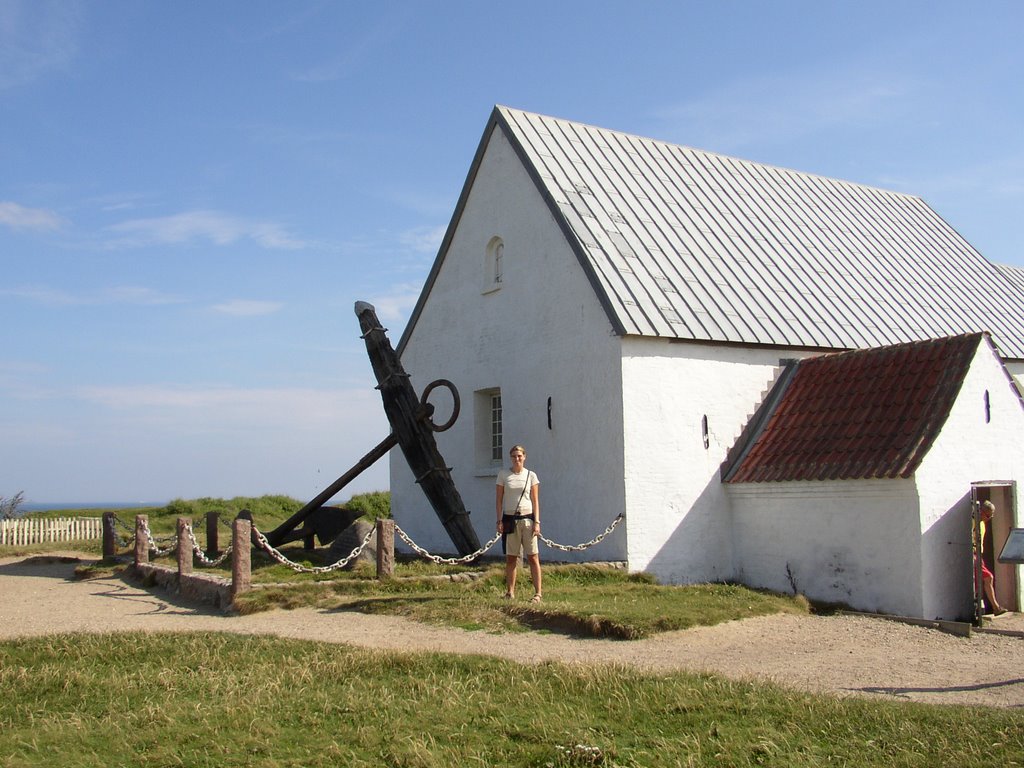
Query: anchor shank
x=412, y=428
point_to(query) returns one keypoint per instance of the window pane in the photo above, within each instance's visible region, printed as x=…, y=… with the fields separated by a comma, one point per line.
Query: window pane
x=496, y=452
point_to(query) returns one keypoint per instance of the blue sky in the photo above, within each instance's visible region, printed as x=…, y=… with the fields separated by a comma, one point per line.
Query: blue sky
x=193, y=195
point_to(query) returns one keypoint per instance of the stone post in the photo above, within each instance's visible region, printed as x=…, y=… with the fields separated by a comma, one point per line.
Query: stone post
x=385, y=548
x=109, y=536
x=212, y=540
x=241, y=557
x=184, y=546
x=141, y=539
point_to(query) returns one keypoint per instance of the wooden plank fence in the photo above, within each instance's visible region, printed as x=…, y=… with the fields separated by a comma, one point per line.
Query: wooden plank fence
x=35, y=530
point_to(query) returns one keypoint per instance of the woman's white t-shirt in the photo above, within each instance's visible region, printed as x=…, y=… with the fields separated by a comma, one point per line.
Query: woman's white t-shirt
x=514, y=485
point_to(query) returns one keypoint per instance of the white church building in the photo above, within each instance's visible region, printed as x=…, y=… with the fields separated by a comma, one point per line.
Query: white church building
x=633, y=312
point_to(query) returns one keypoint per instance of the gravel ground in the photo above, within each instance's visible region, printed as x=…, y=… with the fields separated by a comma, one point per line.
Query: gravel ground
x=839, y=655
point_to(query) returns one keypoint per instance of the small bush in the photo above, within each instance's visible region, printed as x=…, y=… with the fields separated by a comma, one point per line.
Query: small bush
x=373, y=505
x=9, y=507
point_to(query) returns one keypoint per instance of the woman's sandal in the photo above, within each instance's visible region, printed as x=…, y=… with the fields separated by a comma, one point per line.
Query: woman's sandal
x=508, y=596
x=536, y=598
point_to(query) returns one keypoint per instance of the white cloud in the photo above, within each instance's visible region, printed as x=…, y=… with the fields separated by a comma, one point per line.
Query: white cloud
x=423, y=239
x=37, y=37
x=199, y=409
x=362, y=47
x=996, y=178
x=19, y=217
x=14, y=375
x=122, y=294
x=42, y=295
x=398, y=305
x=788, y=106
x=160, y=441
x=138, y=295
x=248, y=308
x=214, y=226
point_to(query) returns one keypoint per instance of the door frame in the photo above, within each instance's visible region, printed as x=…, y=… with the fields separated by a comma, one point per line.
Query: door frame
x=1002, y=493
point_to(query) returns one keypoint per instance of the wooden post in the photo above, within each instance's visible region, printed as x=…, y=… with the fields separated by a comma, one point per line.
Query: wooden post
x=385, y=548
x=241, y=557
x=141, y=539
x=184, y=546
x=109, y=536
x=212, y=540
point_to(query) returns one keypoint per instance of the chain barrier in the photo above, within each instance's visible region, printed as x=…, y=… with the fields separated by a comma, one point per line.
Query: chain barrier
x=468, y=558
x=200, y=555
x=124, y=541
x=153, y=541
x=265, y=545
x=580, y=547
x=279, y=557
x=445, y=560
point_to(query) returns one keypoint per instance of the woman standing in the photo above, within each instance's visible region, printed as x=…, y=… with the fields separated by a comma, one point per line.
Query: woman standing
x=517, y=504
x=988, y=580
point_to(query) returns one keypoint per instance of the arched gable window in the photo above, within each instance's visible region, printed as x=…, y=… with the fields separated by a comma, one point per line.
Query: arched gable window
x=494, y=264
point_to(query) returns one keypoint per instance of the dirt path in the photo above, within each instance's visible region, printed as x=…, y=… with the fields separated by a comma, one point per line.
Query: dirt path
x=841, y=655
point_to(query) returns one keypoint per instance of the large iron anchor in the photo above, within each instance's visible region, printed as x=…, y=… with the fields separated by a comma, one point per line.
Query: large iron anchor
x=413, y=428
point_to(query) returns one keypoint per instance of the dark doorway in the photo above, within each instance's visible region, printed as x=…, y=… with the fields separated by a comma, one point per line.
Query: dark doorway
x=1002, y=495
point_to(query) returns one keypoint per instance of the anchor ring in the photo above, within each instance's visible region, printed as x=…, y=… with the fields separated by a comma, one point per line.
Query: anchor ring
x=430, y=409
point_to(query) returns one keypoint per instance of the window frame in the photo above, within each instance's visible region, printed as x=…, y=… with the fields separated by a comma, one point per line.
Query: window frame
x=494, y=260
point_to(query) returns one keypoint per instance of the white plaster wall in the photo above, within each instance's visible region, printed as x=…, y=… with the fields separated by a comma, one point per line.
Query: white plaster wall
x=543, y=334
x=679, y=521
x=845, y=541
x=968, y=450
x=893, y=546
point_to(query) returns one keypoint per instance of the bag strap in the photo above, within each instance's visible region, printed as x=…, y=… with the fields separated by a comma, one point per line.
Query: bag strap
x=525, y=487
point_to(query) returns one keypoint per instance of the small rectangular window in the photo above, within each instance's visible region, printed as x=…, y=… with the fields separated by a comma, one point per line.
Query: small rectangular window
x=488, y=442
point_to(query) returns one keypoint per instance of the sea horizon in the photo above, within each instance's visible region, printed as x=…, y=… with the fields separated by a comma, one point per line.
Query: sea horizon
x=35, y=506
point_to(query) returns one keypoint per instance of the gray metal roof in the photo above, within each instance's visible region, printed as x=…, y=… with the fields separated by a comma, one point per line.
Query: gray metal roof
x=694, y=245
x=1014, y=274
x=686, y=244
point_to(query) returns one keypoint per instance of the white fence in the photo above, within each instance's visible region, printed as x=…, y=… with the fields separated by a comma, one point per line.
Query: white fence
x=40, y=531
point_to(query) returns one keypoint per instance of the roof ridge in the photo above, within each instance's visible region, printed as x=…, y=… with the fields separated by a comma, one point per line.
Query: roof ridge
x=686, y=244
x=709, y=152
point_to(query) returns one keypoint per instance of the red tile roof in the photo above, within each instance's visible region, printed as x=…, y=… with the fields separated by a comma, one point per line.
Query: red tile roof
x=870, y=413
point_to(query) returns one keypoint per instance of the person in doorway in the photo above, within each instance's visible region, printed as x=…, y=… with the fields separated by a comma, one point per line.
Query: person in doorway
x=517, y=505
x=987, y=577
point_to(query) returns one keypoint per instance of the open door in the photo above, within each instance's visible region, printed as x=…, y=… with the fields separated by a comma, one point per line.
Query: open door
x=979, y=608
x=1002, y=495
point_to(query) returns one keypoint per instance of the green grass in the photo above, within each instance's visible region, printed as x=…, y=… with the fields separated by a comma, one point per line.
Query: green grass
x=580, y=599
x=218, y=700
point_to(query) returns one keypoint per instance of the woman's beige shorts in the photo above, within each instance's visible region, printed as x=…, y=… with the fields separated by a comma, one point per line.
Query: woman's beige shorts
x=522, y=541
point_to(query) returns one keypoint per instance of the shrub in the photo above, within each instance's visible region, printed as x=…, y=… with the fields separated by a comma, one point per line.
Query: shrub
x=9, y=507
x=373, y=505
